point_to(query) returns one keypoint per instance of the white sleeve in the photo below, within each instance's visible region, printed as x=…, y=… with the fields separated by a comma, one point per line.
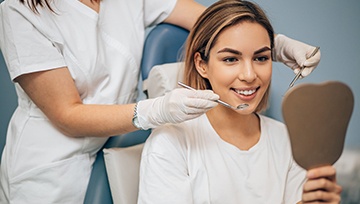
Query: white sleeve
x=163, y=170
x=295, y=180
x=24, y=47
x=156, y=11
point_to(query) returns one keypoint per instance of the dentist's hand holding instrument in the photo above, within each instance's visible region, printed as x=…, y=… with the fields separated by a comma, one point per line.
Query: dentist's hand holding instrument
x=239, y=107
x=295, y=54
x=176, y=106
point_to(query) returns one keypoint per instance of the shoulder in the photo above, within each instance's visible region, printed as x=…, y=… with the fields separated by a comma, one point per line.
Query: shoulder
x=271, y=123
x=180, y=130
x=278, y=139
x=276, y=131
x=170, y=137
x=156, y=11
x=12, y=11
x=12, y=7
x=156, y=4
x=8, y=4
x=17, y=17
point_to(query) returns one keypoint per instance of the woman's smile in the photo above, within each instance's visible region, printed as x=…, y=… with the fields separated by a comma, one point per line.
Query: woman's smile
x=246, y=94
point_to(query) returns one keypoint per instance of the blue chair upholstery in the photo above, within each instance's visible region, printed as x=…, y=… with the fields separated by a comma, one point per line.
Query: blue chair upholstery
x=98, y=190
x=163, y=44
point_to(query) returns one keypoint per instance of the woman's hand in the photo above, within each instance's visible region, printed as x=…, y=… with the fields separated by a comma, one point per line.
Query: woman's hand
x=321, y=186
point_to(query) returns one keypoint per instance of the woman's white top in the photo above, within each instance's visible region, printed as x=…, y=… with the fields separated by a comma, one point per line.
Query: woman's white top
x=189, y=163
x=102, y=52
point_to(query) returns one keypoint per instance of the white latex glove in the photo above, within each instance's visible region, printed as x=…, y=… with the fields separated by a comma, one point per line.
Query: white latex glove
x=175, y=107
x=294, y=54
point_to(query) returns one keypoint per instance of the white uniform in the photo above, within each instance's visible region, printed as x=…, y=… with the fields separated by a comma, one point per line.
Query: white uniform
x=103, y=53
x=190, y=163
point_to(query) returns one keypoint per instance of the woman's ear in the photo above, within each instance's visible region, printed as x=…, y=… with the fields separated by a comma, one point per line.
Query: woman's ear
x=200, y=65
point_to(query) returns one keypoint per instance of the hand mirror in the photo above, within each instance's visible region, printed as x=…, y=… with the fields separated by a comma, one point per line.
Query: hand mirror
x=317, y=117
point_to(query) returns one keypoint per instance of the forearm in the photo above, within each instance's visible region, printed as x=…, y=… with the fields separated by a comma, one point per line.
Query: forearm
x=96, y=120
x=55, y=93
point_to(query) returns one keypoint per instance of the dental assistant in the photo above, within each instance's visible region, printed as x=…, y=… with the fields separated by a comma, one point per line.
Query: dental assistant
x=75, y=65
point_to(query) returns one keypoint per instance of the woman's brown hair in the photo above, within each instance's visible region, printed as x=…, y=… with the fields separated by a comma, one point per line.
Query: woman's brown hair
x=33, y=4
x=211, y=23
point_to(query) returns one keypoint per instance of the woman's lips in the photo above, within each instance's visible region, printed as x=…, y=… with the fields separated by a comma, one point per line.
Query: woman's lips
x=246, y=94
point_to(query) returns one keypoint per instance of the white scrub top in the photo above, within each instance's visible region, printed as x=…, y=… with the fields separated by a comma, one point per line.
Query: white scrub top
x=102, y=52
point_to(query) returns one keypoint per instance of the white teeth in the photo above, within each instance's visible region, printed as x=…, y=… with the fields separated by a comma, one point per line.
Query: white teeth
x=245, y=92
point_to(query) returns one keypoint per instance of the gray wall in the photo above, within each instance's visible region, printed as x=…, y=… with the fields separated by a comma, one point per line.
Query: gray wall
x=331, y=24
x=334, y=26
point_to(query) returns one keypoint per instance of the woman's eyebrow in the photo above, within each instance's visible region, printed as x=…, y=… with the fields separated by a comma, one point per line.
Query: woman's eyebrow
x=229, y=50
x=266, y=48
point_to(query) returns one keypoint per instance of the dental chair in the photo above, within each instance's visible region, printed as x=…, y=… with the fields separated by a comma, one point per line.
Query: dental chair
x=163, y=44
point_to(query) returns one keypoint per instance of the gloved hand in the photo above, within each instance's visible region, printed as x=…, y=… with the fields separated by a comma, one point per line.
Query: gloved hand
x=175, y=107
x=294, y=54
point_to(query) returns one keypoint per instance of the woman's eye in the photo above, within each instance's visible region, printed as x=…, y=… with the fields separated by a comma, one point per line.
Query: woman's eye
x=230, y=59
x=262, y=58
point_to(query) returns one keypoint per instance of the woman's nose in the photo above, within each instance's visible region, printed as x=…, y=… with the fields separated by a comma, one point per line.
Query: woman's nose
x=247, y=72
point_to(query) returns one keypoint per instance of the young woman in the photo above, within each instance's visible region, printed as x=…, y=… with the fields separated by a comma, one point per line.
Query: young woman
x=75, y=65
x=230, y=156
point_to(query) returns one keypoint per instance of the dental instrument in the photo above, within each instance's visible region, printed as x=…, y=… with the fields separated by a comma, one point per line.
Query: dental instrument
x=239, y=107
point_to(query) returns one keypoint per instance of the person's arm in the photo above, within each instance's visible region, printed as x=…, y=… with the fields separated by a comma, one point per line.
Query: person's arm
x=295, y=179
x=55, y=93
x=321, y=186
x=40, y=69
x=185, y=13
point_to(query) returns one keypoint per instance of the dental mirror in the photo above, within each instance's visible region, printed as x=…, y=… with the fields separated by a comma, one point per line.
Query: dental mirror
x=317, y=117
x=239, y=107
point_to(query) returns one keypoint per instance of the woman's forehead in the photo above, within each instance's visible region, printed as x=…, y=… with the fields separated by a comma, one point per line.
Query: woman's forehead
x=242, y=35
